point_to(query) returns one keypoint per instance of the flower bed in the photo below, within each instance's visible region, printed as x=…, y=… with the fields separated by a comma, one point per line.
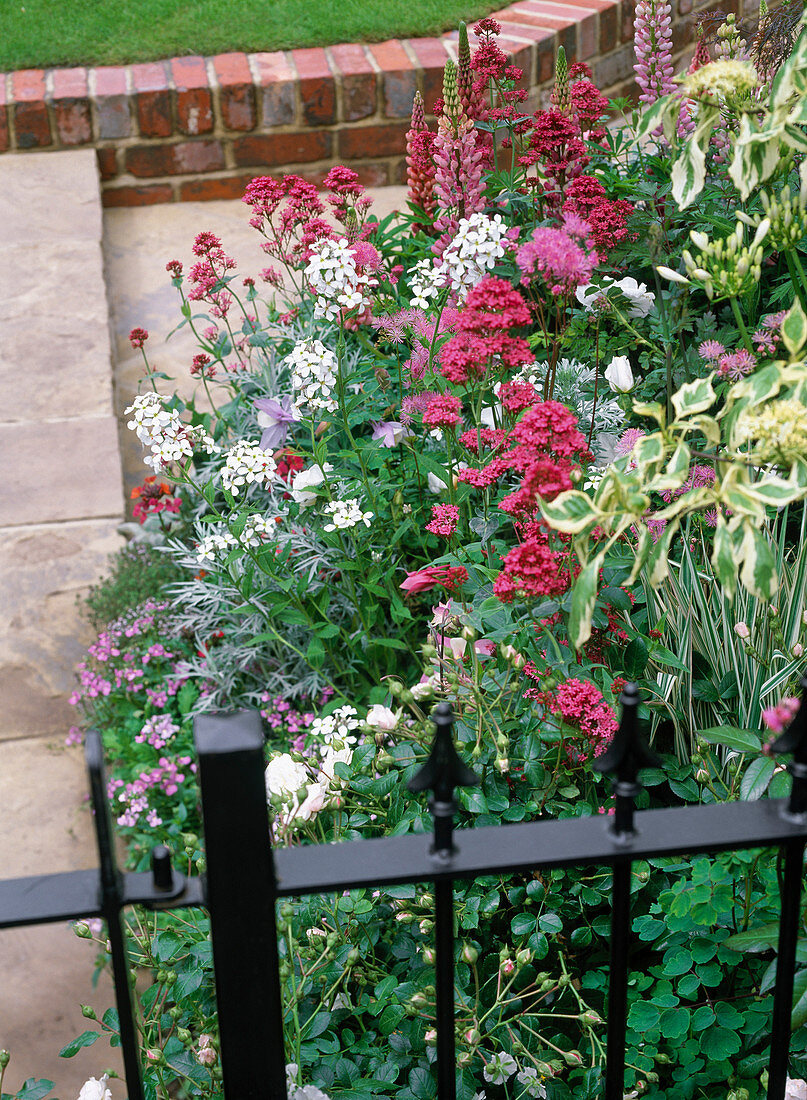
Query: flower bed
x=539, y=436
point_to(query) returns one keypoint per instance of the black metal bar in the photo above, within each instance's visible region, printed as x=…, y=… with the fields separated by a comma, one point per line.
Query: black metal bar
x=499, y=849
x=241, y=893
x=444, y=987
x=111, y=885
x=618, y=983
x=789, y=921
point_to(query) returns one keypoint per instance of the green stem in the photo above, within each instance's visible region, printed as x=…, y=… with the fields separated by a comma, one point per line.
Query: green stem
x=738, y=317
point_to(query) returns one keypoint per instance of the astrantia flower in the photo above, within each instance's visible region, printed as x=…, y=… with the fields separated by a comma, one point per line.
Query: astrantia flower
x=628, y=440
x=710, y=349
x=345, y=514
x=556, y=257
x=499, y=1068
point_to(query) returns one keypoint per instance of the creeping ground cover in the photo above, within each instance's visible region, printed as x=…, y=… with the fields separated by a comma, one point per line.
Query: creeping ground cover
x=542, y=434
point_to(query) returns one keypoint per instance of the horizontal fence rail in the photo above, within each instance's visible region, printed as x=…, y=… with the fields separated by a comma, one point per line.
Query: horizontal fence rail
x=245, y=877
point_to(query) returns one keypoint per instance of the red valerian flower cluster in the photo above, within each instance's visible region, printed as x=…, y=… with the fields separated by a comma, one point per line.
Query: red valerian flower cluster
x=607, y=218
x=444, y=520
x=532, y=569
x=299, y=222
x=491, y=309
x=582, y=706
x=443, y=411
x=208, y=273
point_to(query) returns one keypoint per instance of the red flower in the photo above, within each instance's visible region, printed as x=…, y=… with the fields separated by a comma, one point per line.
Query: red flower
x=449, y=576
x=138, y=337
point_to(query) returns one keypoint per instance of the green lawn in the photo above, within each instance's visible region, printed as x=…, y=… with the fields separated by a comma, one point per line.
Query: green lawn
x=42, y=33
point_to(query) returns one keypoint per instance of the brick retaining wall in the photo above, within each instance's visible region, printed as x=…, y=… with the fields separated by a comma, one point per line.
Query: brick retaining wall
x=201, y=127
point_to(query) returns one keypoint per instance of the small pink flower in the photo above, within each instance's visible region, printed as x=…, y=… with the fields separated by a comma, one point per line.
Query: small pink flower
x=779, y=717
x=421, y=580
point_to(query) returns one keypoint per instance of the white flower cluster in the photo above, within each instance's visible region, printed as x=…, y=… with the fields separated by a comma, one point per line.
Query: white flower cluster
x=246, y=464
x=313, y=376
x=95, y=1090
x=345, y=514
x=218, y=544
x=162, y=431
x=426, y=283
x=338, y=726
x=502, y=1066
x=331, y=273
x=479, y=242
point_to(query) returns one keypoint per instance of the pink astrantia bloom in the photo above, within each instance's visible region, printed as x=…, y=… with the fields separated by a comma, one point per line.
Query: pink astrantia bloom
x=711, y=349
x=558, y=256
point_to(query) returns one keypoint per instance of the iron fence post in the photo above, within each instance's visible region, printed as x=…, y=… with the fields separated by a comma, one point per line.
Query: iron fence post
x=241, y=895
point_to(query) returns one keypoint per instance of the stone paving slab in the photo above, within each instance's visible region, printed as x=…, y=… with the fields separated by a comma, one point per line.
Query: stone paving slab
x=54, y=330
x=50, y=198
x=43, y=569
x=63, y=470
x=47, y=971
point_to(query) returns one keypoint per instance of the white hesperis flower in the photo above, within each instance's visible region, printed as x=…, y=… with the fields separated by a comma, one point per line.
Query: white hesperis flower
x=247, y=464
x=285, y=776
x=426, y=282
x=345, y=514
x=331, y=273
x=313, y=375
x=499, y=1068
x=531, y=1082
x=95, y=1090
x=308, y=479
x=479, y=242
x=337, y=726
x=162, y=431
x=218, y=544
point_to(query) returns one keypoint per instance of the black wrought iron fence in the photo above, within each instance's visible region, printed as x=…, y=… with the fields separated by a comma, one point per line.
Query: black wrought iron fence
x=245, y=878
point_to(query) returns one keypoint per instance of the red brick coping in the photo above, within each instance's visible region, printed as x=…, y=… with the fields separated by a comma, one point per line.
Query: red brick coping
x=201, y=127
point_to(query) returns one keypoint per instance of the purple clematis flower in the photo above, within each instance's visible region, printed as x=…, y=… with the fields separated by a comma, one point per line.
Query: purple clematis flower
x=390, y=432
x=274, y=417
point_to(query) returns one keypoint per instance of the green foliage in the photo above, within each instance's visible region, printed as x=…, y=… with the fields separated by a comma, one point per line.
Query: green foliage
x=136, y=572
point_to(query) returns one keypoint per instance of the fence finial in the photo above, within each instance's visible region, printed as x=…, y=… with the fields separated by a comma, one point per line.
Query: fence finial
x=794, y=739
x=442, y=772
x=624, y=757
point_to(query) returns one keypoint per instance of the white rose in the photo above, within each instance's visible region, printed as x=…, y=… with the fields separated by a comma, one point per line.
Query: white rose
x=381, y=718
x=308, y=479
x=437, y=485
x=795, y=1090
x=489, y=415
x=314, y=801
x=589, y=295
x=284, y=776
x=619, y=375
x=95, y=1090
x=641, y=299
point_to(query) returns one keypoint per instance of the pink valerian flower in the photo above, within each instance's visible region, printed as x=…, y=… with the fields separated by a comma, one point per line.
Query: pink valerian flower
x=449, y=577
x=557, y=258
x=138, y=337
x=555, y=145
x=532, y=569
x=288, y=213
x=445, y=518
x=443, y=411
x=583, y=710
x=202, y=366
x=652, y=42
x=472, y=98
x=589, y=105
x=345, y=195
x=515, y=397
x=779, y=717
x=207, y=275
x=491, y=308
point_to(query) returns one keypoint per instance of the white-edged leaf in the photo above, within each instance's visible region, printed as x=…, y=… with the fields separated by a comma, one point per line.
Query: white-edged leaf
x=694, y=397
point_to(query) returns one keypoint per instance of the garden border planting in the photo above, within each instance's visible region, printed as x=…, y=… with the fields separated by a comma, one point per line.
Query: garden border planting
x=198, y=128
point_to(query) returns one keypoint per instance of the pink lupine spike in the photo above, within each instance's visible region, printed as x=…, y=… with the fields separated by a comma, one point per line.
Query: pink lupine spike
x=652, y=39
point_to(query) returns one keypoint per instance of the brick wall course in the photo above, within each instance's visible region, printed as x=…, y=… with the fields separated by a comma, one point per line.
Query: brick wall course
x=197, y=128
